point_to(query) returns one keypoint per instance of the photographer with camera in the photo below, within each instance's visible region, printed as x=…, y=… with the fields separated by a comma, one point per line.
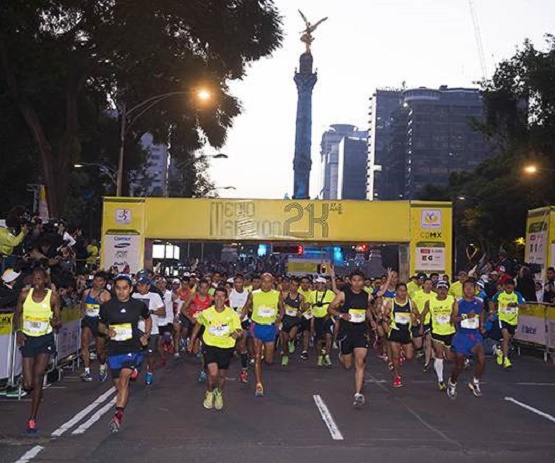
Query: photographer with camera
x=9, y=239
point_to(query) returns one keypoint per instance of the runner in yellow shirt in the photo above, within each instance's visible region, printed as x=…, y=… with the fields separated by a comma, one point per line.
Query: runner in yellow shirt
x=222, y=328
x=421, y=331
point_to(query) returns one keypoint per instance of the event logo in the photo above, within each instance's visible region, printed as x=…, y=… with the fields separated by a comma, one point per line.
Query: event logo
x=430, y=219
x=123, y=216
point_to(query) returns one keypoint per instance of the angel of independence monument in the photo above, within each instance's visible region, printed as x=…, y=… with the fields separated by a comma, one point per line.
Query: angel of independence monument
x=305, y=79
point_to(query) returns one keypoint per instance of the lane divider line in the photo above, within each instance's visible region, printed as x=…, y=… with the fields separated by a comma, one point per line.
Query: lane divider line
x=79, y=416
x=94, y=418
x=30, y=454
x=328, y=419
x=547, y=416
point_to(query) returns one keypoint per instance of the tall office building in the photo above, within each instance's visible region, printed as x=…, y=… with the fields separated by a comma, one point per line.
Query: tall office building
x=427, y=136
x=152, y=180
x=351, y=166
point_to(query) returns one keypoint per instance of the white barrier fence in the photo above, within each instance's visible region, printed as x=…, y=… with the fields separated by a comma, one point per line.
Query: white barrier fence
x=68, y=344
x=536, y=328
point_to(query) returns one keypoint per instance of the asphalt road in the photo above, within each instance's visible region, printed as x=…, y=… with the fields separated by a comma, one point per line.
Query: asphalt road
x=166, y=421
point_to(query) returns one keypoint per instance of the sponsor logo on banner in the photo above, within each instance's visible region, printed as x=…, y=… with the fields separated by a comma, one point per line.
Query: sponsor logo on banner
x=430, y=219
x=123, y=216
x=122, y=251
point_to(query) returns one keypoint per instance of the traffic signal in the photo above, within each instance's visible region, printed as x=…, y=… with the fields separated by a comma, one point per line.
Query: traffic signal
x=287, y=249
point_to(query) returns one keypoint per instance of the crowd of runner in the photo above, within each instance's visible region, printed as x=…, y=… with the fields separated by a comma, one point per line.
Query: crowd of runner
x=149, y=318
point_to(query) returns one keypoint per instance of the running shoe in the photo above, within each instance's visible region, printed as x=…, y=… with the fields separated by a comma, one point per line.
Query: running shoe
x=176, y=355
x=291, y=347
x=202, y=377
x=390, y=366
x=397, y=382
x=149, y=378
x=359, y=400
x=31, y=427
x=320, y=361
x=507, y=363
x=244, y=377
x=475, y=388
x=442, y=386
x=218, y=399
x=251, y=363
x=304, y=355
x=499, y=355
x=87, y=377
x=134, y=374
x=284, y=361
x=115, y=425
x=451, y=390
x=427, y=367
x=327, y=360
x=259, y=391
x=103, y=374
x=208, y=400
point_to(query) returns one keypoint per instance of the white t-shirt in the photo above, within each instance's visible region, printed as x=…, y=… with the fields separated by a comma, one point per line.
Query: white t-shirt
x=238, y=300
x=153, y=301
x=168, y=302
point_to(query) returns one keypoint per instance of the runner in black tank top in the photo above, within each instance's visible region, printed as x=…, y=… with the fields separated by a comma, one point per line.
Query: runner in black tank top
x=292, y=301
x=353, y=328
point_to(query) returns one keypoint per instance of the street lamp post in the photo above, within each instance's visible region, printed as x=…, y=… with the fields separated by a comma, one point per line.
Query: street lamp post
x=109, y=172
x=140, y=109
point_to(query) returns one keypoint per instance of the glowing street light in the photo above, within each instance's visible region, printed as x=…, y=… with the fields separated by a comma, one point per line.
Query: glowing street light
x=531, y=169
x=204, y=94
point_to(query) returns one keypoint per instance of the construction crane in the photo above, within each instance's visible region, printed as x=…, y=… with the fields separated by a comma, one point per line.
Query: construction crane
x=478, y=34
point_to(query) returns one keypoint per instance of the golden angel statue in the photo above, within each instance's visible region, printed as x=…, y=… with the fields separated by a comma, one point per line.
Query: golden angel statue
x=307, y=38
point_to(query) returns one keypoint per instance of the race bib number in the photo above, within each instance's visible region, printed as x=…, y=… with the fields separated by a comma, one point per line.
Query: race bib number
x=36, y=326
x=402, y=318
x=92, y=310
x=307, y=314
x=470, y=323
x=291, y=312
x=124, y=332
x=509, y=310
x=357, y=315
x=443, y=319
x=266, y=312
x=219, y=330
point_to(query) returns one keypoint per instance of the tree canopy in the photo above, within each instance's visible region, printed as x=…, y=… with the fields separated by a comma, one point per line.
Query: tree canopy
x=64, y=61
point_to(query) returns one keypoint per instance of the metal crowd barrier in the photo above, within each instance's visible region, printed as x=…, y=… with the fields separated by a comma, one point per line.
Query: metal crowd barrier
x=536, y=329
x=68, y=345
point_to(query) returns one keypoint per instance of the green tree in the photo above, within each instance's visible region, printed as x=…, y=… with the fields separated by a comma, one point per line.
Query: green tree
x=58, y=56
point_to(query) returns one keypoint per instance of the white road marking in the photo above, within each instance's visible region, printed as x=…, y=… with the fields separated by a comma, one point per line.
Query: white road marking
x=547, y=416
x=93, y=419
x=328, y=419
x=29, y=455
x=79, y=416
x=535, y=384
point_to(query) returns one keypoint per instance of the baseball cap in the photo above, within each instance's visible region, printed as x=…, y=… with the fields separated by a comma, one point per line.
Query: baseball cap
x=442, y=284
x=230, y=280
x=320, y=280
x=176, y=281
x=143, y=280
x=421, y=275
x=10, y=275
x=481, y=284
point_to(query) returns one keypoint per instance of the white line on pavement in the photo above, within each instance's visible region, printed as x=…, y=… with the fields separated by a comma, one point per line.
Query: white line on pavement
x=328, y=419
x=79, y=416
x=531, y=409
x=93, y=419
x=535, y=384
x=29, y=455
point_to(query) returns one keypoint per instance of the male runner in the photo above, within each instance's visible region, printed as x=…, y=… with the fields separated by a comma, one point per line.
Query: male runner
x=36, y=315
x=157, y=309
x=439, y=310
x=119, y=321
x=421, y=331
x=456, y=289
x=267, y=313
x=306, y=326
x=507, y=303
x=352, y=307
x=292, y=301
x=322, y=297
x=182, y=326
x=222, y=327
x=238, y=297
x=90, y=307
x=468, y=316
x=165, y=323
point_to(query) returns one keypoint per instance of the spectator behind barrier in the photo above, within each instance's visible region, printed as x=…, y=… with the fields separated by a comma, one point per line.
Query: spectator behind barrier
x=9, y=239
x=526, y=284
x=10, y=289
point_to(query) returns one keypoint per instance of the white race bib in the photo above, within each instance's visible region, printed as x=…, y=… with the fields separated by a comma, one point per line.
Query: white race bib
x=291, y=312
x=509, y=310
x=36, y=326
x=470, y=323
x=219, y=330
x=443, y=319
x=307, y=314
x=357, y=315
x=266, y=312
x=402, y=318
x=124, y=332
x=92, y=310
